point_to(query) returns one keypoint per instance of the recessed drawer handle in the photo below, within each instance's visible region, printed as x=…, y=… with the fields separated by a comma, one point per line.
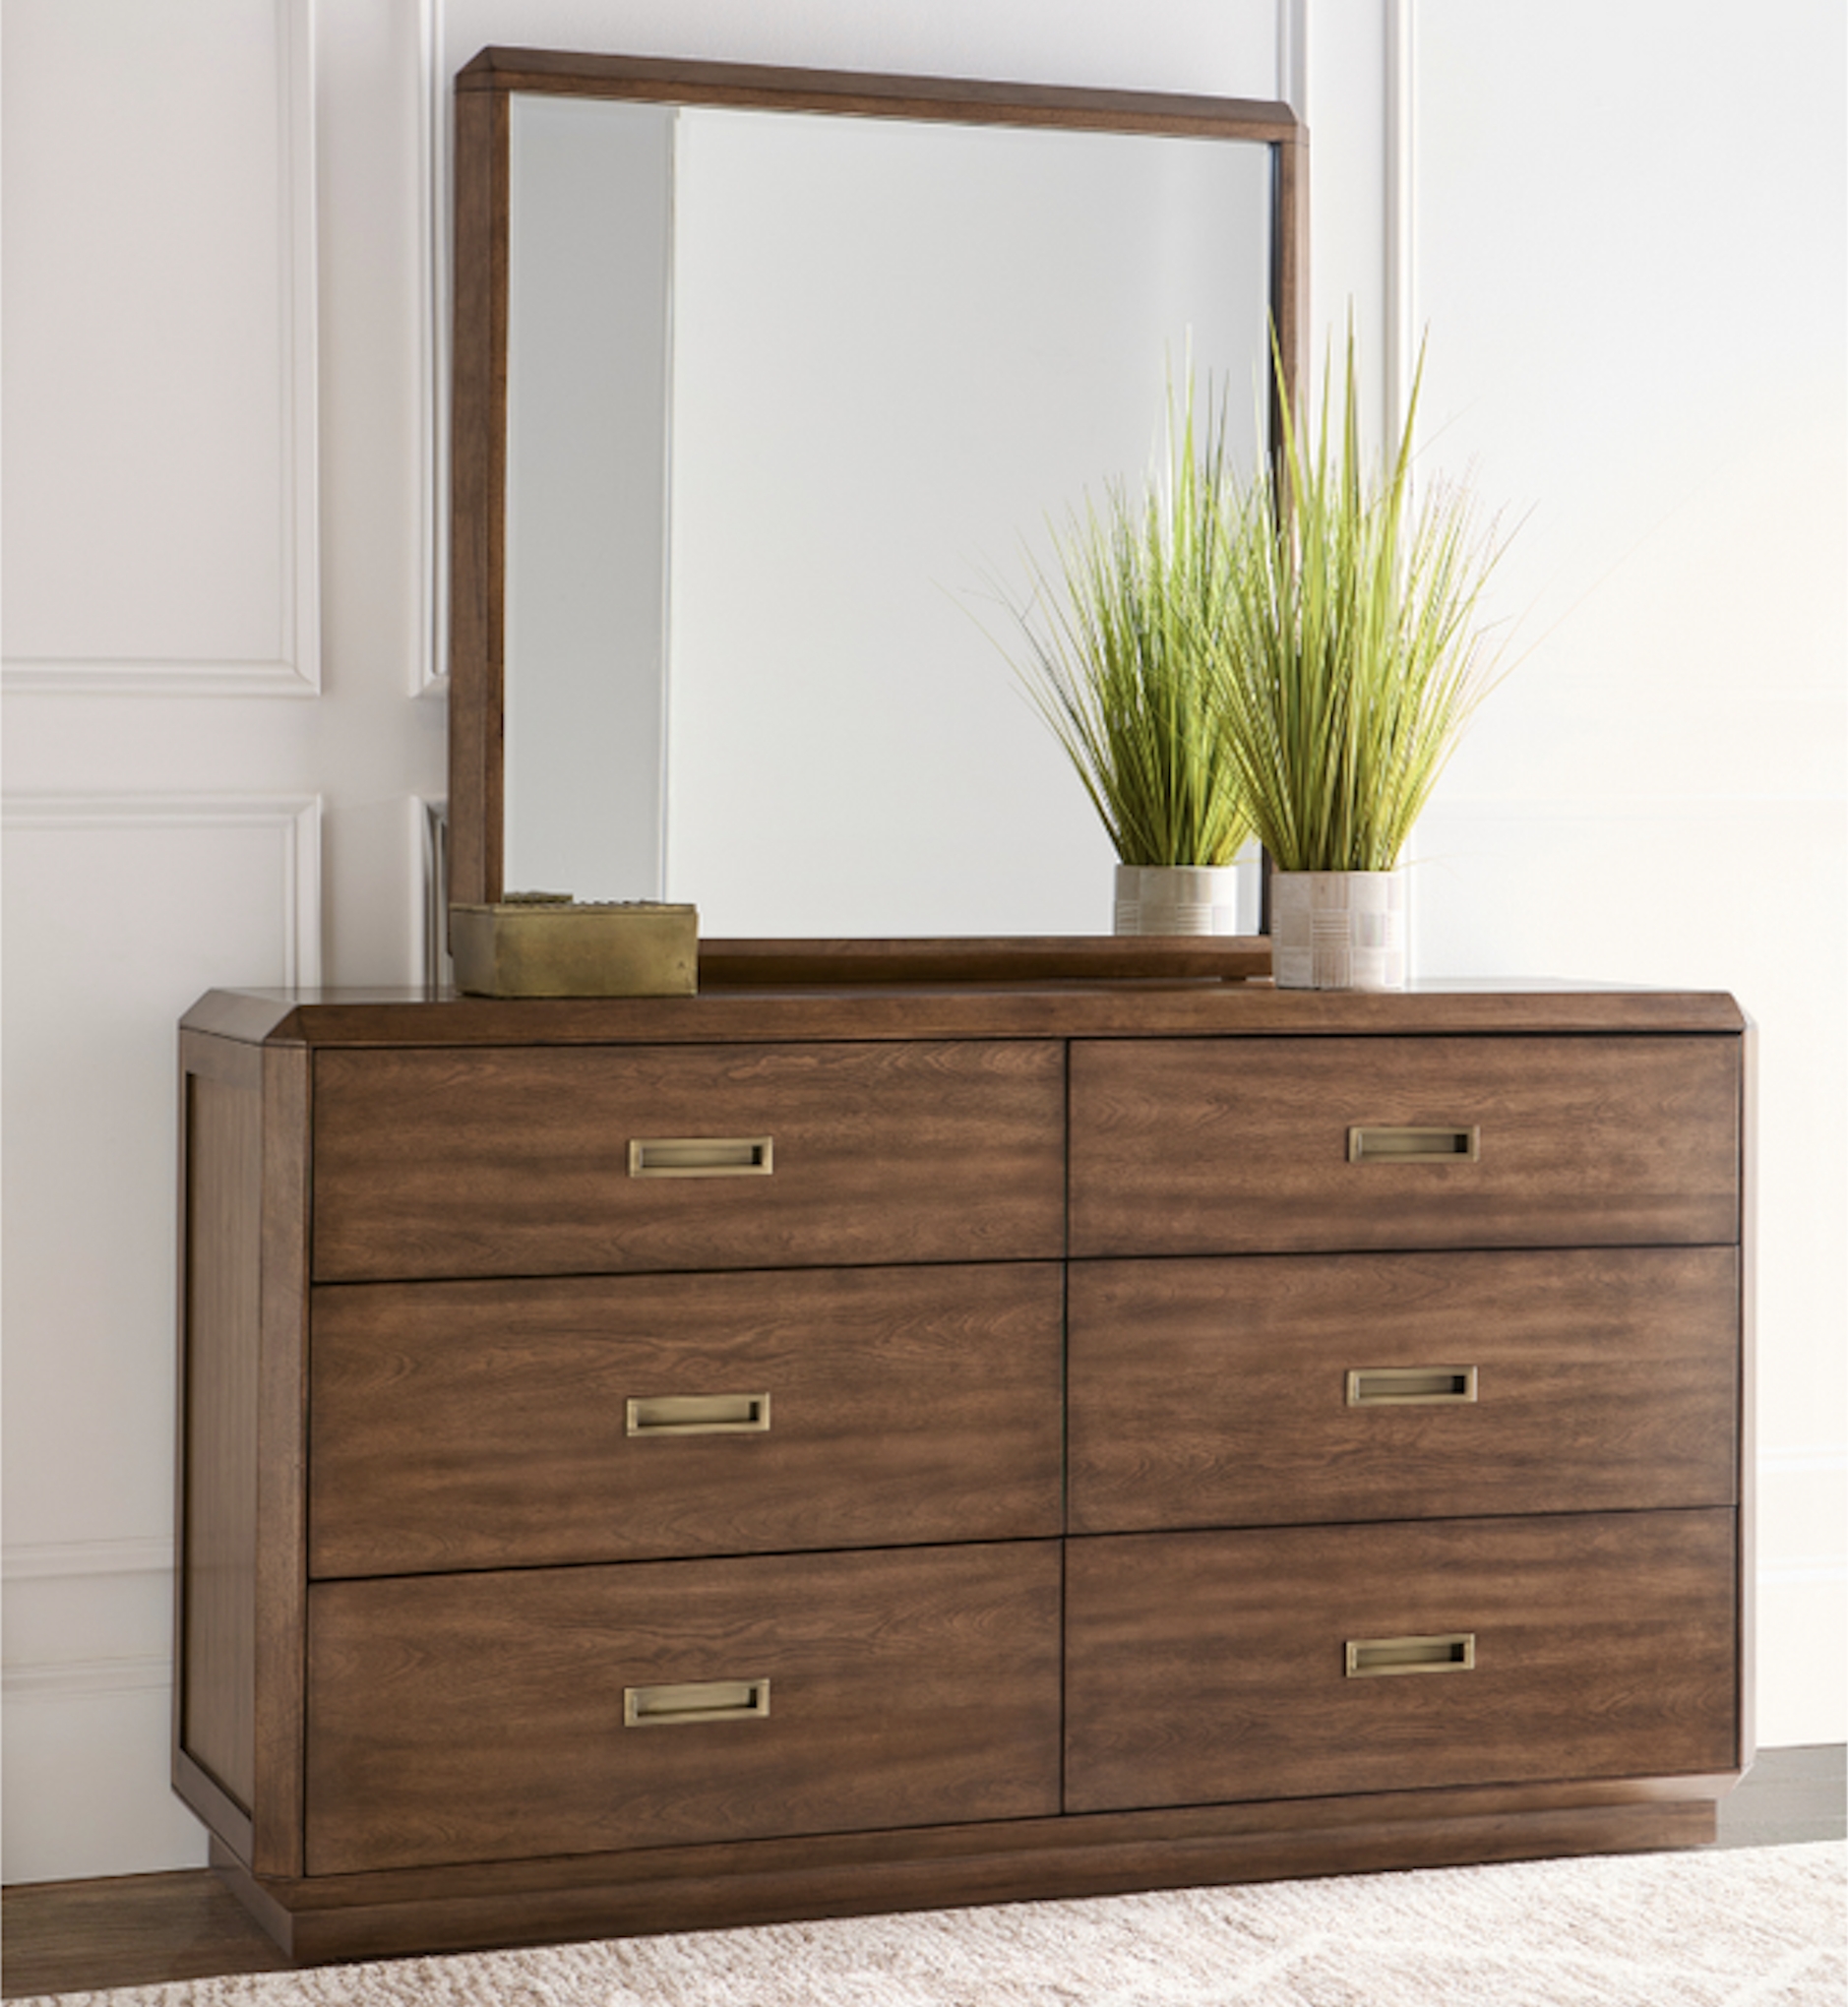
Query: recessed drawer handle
x=1413, y=1145
x=707, y=1700
x=701, y=1414
x=699, y=1157
x=1453, y=1652
x=1385, y=1386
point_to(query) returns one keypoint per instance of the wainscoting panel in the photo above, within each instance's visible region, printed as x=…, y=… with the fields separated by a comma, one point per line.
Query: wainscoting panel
x=161, y=524
x=120, y=909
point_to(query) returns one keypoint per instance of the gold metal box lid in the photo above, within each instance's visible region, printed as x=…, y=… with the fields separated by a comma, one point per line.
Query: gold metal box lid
x=555, y=947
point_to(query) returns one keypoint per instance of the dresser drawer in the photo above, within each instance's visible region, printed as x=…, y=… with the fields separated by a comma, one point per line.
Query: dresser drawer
x=1212, y=1667
x=1248, y=1146
x=548, y=1161
x=484, y=1717
x=1274, y=1389
x=480, y=1425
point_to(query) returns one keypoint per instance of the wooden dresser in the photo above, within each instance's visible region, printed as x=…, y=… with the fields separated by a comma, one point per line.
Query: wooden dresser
x=660, y=1464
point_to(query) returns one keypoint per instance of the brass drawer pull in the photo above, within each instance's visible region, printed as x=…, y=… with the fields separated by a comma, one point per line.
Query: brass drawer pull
x=699, y=1157
x=700, y=1415
x=707, y=1700
x=1453, y=1652
x=1385, y=1386
x=1413, y=1145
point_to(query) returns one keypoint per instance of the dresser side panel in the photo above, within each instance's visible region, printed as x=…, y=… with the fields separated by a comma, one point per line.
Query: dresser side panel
x=222, y=1113
x=282, y=1460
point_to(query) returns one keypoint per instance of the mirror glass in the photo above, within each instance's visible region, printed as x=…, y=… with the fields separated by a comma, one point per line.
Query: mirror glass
x=788, y=397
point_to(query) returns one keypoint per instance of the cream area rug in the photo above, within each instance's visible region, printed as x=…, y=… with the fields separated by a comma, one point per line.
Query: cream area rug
x=1742, y=1927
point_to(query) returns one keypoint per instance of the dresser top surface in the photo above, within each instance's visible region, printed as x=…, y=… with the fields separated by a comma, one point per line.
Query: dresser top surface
x=866, y=1011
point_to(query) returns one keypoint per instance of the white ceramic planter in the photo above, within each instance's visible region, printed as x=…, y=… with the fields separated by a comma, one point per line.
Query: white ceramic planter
x=1187, y=898
x=1337, y=930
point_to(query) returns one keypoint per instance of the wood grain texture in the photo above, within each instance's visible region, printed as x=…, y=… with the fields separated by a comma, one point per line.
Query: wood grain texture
x=1212, y=1392
x=870, y=94
x=221, y=1114
x=1058, y=1871
x=1179, y=1148
x=1204, y=1666
x=822, y=1852
x=515, y=1162
x=409, y=1018
x=127, y=1930
x=478, y=496
x=482, y=1424
x=151, y=1929
x=461, y=1787
x=1015, y=959
x=281, y=1463
x=1747, y=1432
x=480, y=1717
x=479, y=370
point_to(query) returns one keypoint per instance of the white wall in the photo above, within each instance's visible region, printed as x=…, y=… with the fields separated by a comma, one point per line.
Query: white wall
x=219, y=256
x=1638, y=314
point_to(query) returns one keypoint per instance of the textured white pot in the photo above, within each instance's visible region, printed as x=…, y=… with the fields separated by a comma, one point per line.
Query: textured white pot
x=1187, y=898
x=1337, y=930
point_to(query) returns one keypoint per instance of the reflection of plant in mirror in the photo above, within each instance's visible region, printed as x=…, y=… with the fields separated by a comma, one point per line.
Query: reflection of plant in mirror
x=1353, y=652
x=1120, y=634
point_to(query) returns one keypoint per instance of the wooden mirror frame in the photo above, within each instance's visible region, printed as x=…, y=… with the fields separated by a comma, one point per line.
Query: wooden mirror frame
x=479, y=358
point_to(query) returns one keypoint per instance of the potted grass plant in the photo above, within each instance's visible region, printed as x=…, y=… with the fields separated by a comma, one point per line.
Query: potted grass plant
x=1120, y=633
x=1352, y=654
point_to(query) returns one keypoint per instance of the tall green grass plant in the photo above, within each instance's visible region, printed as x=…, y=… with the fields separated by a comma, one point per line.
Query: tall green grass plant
x=1347, y=636
x=1121, y=632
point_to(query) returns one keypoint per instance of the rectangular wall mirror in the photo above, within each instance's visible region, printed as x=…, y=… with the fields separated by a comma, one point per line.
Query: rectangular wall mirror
x=763, y=382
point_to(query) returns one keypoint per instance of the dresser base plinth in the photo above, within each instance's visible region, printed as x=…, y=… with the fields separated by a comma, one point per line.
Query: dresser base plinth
x=474, y=1908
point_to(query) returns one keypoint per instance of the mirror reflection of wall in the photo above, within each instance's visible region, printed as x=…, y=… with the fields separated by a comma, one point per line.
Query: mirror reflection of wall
x=784, y=390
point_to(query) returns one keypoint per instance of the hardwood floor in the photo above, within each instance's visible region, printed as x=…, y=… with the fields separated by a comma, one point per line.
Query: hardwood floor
x=144, y=1930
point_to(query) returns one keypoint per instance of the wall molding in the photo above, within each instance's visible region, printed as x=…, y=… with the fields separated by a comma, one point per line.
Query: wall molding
x=1293, y=54
x=433, y=208
x=76, y=1678
x=295, y=670
x=1804, y=1459
x=295, y=818
x=39, y=1560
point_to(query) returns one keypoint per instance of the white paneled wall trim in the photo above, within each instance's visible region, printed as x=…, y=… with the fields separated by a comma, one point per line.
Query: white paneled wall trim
x=150, y=1673
x=1293, y=54
x=34, y=1560
x=297, y=818
x=434, y=133
x=61, y=655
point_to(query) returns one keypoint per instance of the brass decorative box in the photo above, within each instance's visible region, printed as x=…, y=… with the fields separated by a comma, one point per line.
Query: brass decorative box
x=559, y=948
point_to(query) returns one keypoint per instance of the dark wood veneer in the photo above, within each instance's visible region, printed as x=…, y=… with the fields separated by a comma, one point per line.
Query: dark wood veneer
x=479, y=368
x=1187, y=1149
x=478, y=1717
x=515, y=1162
x=409, y=1019
x=1214, y=1392
x=222, y=1122
x=432, y=1755
x=482, y=1424
x=1209, y=1666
